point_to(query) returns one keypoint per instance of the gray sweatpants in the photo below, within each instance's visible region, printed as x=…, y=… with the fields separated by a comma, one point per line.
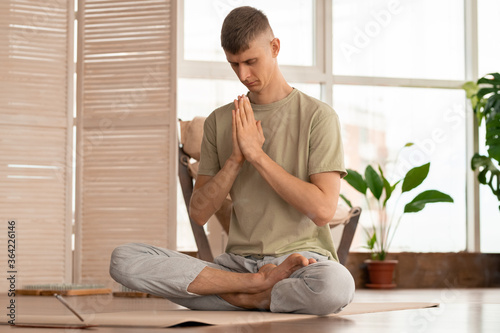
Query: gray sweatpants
x=321, y=288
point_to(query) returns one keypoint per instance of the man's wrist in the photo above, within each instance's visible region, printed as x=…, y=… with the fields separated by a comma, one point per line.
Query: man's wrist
x=231, y=162
x=256, y=157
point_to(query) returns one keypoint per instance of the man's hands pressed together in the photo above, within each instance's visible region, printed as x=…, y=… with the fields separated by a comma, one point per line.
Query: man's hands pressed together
x=317, y=199
x=248, y=136
x=236, y=155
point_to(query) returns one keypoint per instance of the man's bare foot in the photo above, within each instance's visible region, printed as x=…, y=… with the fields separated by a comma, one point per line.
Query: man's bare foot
x=248, y=290
x=260, y=300
x=272, y=274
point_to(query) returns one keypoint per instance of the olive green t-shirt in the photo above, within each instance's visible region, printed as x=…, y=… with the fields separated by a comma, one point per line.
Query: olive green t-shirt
x=303, y=136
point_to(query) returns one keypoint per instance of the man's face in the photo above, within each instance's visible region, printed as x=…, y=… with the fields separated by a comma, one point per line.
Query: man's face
x=255, y=67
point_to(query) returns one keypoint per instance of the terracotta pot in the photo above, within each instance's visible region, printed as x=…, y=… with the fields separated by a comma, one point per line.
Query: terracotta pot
x=381, y=273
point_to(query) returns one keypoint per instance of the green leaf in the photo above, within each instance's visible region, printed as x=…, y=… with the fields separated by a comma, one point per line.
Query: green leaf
x=380, y=255
x=474, y=101
x=354, y=179
x=387, y=186
x=493, y=140
x=374, y=182
x=393, y=186
x=481, y=176
x=484, y=91
x=415, y=177
x=488, y=173
x=488, y=108
x=491, y=104
x=493, y=132
x=494, y=152
x=470, y=88
x=492, y=78
x=370, y=244
x=430, y=196
x=479, y=160
x=480, y=103
x=346, y=200
x=496, y=77
x=409, y=144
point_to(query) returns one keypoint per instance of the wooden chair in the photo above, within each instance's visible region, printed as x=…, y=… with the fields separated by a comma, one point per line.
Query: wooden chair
x=350, y=224
x=191, y=134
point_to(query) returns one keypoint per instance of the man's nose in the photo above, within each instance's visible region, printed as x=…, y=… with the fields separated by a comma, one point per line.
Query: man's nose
x=243, y=72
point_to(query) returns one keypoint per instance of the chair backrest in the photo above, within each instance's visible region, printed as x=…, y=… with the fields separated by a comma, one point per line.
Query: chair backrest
x=189, y=155
x=348, y=234
x=186, y=181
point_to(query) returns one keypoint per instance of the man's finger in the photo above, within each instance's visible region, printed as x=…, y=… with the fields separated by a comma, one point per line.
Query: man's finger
x=237, y=119
x=259, y=127
x=242, y=111
x=261, y=131
x=234, y=126
x=248, y=110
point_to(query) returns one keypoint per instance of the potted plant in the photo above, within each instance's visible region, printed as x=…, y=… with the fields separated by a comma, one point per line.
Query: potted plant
x=377, y=190
x=485, y=99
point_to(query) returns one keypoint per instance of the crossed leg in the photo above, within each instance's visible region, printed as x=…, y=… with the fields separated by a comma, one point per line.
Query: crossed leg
x=247, y=290
x=292, y=284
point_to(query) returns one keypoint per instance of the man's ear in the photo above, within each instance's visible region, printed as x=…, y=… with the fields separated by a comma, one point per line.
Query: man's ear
x=275, y=47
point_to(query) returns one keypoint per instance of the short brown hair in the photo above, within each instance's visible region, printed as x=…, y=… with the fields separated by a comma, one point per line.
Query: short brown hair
x=241, y=26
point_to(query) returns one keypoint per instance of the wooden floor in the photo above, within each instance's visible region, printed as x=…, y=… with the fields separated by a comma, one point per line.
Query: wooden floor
x=461, y=310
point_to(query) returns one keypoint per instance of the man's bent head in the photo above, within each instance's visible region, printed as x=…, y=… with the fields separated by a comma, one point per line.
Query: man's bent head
x=241, y=26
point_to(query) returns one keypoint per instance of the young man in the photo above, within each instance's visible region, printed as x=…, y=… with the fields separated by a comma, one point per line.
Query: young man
x=278, y=153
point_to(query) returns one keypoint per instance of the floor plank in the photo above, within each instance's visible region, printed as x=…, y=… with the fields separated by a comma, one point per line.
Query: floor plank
x=461, y=310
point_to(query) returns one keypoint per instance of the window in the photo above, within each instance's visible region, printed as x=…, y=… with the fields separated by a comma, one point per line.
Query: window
x=206, y=81
x=409, y=39
x=203, y=21
x=390, y=69
x=377, y=122
x=489, y=48
x=212, y=93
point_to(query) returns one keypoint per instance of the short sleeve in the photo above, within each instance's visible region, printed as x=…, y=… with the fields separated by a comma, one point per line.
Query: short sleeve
x=326, y=152
x=209, y=160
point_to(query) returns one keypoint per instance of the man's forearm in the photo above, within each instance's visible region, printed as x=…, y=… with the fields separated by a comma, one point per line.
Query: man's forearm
x=316, y=199
x=306, y=197
x=208, y=197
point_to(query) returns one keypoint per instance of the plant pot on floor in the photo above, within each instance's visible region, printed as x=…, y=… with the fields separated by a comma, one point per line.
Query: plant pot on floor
x=381, y=273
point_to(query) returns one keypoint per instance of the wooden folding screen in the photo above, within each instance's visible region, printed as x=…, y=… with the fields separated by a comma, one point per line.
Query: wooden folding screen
x=126, y=150
x=36, y=70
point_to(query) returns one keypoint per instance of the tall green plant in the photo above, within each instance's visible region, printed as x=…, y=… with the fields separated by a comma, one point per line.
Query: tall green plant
x=375, y=187
x=485, y=99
